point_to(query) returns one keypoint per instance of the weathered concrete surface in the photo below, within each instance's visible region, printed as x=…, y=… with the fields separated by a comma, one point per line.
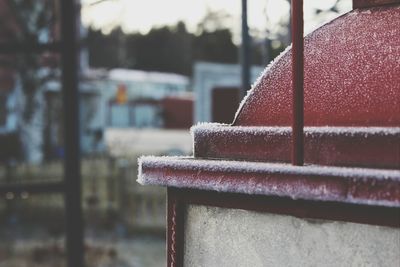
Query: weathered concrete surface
x=228, y=237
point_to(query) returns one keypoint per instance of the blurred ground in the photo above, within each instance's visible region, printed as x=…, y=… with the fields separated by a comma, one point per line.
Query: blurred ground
x=124, y=222
x=141, y=251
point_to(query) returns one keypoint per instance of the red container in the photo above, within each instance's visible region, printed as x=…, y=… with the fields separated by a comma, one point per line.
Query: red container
x=351, y=135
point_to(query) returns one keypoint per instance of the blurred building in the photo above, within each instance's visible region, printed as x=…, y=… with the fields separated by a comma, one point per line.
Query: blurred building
x=143, y=99
x=92, y=115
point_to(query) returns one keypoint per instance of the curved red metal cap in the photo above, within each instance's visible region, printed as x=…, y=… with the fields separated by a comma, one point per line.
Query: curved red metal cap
x=352, y=75
x=371, y=3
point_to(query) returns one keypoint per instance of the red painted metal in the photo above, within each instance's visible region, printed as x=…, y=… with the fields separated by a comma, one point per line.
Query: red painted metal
x=351, y=77
x=361, y=186
x=338, y=148
x=175, y=213
x=366, y=214
x=297, y=83
x=372, y=3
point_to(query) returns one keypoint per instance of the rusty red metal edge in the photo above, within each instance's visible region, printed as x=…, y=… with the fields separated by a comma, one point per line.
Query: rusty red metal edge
x=359, y=148
x=366, y=214
x=346, y=185
x=175, y=217
x=373, y=3
x=309, y=210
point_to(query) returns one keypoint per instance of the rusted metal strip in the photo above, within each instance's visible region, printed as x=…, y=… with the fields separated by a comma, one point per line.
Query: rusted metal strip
x=373, y=3
x=333, y=146
x=333, y=211
x=346, y=185
x=175, y=224
x=297, y=83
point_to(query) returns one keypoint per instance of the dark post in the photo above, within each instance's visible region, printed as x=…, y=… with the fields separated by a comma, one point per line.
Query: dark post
x=298, y=83
x=290, y=20
x=265, y=51
x=175, y=222
x=245, y=51
x=70, y=94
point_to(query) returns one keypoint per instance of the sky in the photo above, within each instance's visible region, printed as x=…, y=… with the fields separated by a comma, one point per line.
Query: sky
x=142, y=15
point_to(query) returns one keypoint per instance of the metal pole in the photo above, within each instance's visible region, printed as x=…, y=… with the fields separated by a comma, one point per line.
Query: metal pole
x=245, y=51
x=297, y=83
x=72, y=173
x=265, y=51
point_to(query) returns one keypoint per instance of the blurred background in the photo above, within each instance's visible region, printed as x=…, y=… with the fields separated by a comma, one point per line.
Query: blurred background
x=148, y=70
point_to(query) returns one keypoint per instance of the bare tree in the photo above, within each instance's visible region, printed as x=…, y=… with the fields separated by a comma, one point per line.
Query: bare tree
x=27, y=23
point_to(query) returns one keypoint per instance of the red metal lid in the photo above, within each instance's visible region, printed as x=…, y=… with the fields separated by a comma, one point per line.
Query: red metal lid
x=351, y=68
x=348, y=185
x=371, y=3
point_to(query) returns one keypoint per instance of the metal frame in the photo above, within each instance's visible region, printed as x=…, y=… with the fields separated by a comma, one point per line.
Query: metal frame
x=360, y=149
x=372, y=3
x=366, y=196
x=179, y=199
x=297, y=82
x=71, y=186
x=175, y=226
x=72, y=167
x=297, y=31
x=245, y=52
x=363, y=186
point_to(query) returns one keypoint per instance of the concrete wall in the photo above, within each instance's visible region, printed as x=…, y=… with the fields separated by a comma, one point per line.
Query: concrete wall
x=228, y=237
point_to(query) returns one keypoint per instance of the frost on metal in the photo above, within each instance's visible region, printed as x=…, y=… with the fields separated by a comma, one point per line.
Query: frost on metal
x=305, y=182
x=226, y=166
x=267, y=70
x=210, y=128
x=333, y=146
x=352, y=97
x=351, y=78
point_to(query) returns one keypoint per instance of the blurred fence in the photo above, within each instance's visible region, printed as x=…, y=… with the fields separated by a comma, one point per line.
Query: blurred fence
x=111, y=197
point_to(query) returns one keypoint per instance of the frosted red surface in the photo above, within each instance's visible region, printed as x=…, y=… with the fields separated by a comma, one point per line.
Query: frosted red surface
x=352, y=76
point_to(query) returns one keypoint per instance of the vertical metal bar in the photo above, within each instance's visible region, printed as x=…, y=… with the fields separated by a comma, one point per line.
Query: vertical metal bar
x=70, y=94
x=175, y=231
x=245, y=51
x=265, y=51
x=297, y=83
x=290, y=30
